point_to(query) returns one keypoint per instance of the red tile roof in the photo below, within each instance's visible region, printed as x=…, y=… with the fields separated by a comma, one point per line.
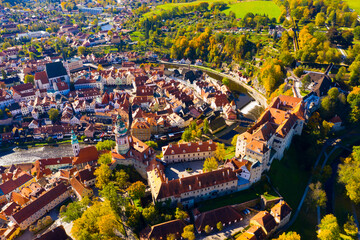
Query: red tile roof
x=11, y=184
x=39, y=203
x=87, y=154
x=224, y=215
x=190, y=147
x=42, y=76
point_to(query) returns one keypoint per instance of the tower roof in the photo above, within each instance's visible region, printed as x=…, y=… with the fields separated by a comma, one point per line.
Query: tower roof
x=74, y=139
x=120, y=126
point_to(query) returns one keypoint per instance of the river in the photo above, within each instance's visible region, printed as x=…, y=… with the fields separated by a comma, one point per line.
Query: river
x=32, y=154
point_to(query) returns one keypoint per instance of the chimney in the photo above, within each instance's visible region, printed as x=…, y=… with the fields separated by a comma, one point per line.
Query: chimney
x=180, y=180
x=199, y=183
x=190, y=187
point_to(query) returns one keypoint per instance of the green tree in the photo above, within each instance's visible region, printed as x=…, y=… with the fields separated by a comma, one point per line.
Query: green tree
x=357, y=32
x=3, y=74
x=329, y=228
x=29, y=79
x=210, y=164
x=122, y=179
x=206, y=126
x=73, y=211
x=219, y=226
x=349, y=175
x=207, y=229
x=188, y=232
x=136, y=190
x=320, y=19
x=81, y=50
x=181, y=214
x=105, y=158
x=103, y=174
x=234, y=140
x=105, y=145
x=298, y=71
x=350, y=227
x=99, y=221
x=152, y=144
x=220, y=152
x=53, y=114
x=289, y=236
x=317, y=195
x=150, y=215
x=186, y=136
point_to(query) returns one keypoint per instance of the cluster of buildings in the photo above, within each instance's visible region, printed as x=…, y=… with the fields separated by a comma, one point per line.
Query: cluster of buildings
x=261, y=226
x=160, y=102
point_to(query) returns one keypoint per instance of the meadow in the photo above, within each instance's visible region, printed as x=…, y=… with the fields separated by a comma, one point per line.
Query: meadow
x=354, y=4
x=239, y=8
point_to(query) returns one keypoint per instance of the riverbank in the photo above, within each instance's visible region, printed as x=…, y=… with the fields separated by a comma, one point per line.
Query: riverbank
x=259, y=97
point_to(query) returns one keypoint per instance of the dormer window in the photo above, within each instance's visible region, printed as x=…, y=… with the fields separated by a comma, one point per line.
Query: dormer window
x=209, y=148
x=198, y=149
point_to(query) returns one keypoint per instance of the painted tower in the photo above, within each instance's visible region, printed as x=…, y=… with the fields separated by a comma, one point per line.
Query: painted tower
x=121, y=137
x=75, y=144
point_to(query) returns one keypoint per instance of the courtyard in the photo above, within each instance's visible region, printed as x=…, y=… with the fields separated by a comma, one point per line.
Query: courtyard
x=183, y=169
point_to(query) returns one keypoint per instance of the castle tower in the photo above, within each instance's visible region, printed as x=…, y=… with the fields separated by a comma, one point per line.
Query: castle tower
x=75, y=144
x=121, y=137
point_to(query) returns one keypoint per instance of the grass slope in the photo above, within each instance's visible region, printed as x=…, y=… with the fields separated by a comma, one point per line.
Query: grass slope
x=354, y=4
x=260, y=7
x=239, y=8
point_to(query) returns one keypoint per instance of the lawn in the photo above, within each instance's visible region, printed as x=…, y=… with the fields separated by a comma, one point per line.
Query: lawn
x=239, y=8
x=260, y=7
x=262, y=188
x=354, y=4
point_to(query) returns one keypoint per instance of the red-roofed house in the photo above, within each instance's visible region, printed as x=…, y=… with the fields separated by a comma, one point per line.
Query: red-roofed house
x=41, y=80
x=37, y=208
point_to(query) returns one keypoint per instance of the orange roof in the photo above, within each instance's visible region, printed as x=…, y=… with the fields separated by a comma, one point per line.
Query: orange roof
x=87, y=154
x=18, y=198
x=281, y=210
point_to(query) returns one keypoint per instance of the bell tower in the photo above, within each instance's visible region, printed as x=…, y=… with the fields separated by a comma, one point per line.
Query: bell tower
x=121, y=137
x=75, y=144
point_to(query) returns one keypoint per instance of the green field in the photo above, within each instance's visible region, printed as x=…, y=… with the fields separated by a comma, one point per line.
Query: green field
x=239, y=8
x=354, y=4
x=260, y=7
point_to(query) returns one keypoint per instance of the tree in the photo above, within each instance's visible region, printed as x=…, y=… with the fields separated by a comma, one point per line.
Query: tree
x=305, y=82
x=207, y=229
x=105, y=145
x=234, y=140
x=81, y=50
x=188, y=232
x=181, y=214
x=100, y=68
x=53, y=114
x=349, y=175
x=99, y=221
x=152, y=144
x=110, y=33
x=105, y=158
x=326, y=127
x=3, y=74
x=206, y=126
x=171, y=236
x=103, y=174
x=289, y=236
x=357, y=32
x=29, y=79
x=329, y=228
x=150, y=215
x=136, y=190
x=219, y=226
x=73, y=211
x=186, y=136
x=122, y=179
x=298, y=71
x=220, y=152
x=350, y=227
x=317, y=195
x=210, y=164
x=320, y=19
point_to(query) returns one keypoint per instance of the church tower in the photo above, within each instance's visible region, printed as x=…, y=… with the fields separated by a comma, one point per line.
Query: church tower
x=121, y=137
x=75, y=144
